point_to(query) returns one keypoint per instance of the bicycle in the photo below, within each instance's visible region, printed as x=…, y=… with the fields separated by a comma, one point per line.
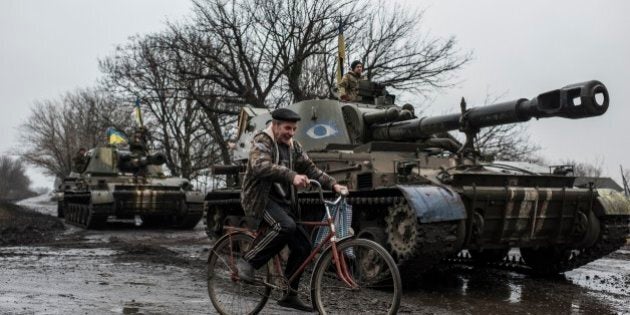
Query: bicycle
x=350, y=275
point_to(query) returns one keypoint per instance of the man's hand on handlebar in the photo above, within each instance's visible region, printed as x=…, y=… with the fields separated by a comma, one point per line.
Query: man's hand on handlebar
x=300, y=181
x=341, y=189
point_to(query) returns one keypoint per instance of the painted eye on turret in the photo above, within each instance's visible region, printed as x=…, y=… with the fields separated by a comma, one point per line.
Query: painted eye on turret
x=320, y=131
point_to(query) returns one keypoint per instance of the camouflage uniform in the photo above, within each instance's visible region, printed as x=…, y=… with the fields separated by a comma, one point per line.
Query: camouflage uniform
x=350, y=82
x=263, y=170
x=79, y=162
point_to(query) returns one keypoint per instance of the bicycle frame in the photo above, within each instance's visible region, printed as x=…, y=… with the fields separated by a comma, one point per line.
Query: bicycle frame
x=340, y=263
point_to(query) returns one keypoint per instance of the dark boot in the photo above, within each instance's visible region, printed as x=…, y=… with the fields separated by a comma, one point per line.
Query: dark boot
x=291, y=300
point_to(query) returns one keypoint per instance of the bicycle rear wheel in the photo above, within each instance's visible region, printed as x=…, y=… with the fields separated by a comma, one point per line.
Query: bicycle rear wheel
x=228, y=294
x=378, y=287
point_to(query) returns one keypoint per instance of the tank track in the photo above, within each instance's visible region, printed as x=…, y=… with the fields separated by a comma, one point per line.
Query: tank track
x=416, y=246
x=614, y=231
x=86, y=216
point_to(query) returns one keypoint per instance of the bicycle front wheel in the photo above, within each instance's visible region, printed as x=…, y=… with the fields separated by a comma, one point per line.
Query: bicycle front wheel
x=228, y=293
x=372, y=282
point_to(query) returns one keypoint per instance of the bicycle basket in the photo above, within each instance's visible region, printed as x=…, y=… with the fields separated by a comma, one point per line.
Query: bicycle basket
x=342, y=216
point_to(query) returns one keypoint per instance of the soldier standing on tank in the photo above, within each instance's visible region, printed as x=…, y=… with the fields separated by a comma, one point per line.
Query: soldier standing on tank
x=79, y=161
x=350, y=82
x=276, y=162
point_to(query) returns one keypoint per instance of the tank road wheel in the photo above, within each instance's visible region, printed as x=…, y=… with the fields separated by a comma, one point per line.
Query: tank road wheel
x=420, y=246
x=213, y=218
x=401, y=227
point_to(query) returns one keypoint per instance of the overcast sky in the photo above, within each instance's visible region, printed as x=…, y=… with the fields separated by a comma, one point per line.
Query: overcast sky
x=520, y=49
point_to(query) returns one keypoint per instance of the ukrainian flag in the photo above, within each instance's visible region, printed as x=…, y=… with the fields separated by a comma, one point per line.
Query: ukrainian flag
x=341, y=54
x=116, y=137
x=137, y=113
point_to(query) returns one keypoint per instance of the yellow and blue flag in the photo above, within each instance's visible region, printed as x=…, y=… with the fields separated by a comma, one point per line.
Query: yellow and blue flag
x=137, y=113
x=341, y=54
x=116, y=137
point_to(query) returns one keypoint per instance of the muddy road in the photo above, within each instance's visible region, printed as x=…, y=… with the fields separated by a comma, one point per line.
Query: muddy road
x=129, y=270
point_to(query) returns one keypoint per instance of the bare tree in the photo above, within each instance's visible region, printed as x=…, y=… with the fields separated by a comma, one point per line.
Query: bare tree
x=14, y=184
x=399, y=53
x=56, y=129
x=395, y=49
x=505, y=142
x=509, y=142
x=146, y=68
x=271, y=53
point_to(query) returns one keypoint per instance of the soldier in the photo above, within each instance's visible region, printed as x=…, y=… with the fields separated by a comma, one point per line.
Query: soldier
x=79, y=161
x=275, y=163
x=139, y=141
x=350, y=82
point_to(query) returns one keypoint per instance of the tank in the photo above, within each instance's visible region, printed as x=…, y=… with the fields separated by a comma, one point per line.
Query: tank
x=426, y=196
x=126, y=182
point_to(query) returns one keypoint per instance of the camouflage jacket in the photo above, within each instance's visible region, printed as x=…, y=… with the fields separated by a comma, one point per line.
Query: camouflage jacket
x=263, y=170
x=79, y=163
x=350, y=83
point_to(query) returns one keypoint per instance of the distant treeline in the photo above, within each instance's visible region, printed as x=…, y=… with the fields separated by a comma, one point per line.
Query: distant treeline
x=14, y=184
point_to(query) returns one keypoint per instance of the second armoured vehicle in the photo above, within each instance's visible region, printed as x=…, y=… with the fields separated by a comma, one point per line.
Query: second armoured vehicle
x=425, y=196
x=128, y=183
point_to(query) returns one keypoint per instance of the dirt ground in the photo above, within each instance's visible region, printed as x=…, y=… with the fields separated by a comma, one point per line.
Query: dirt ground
x=129, y=270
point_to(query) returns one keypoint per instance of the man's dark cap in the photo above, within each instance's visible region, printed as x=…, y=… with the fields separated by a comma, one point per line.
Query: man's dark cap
x=355, y=63
x=285, y=114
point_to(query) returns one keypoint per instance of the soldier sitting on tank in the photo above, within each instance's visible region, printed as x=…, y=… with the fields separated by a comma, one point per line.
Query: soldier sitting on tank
x=276, y=162
x=80, y=161
x=350, y=82
x=139, y=140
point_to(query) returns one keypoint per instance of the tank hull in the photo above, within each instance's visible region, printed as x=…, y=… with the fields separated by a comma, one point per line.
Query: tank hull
x=156, y=205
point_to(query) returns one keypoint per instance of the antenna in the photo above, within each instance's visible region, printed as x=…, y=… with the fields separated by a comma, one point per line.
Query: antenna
x=626, y=189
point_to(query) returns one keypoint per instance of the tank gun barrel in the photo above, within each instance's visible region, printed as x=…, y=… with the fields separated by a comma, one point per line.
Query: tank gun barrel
x=580, y=100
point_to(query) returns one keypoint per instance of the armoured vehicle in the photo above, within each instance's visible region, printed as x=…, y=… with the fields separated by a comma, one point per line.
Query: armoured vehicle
x=128, y=183
x=425, y=196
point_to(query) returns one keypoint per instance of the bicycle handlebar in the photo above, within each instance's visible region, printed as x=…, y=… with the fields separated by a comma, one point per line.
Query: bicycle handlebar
x=321, y=192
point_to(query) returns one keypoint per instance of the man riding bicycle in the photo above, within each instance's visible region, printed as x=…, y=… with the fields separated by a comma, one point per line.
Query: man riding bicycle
x=277, y=166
